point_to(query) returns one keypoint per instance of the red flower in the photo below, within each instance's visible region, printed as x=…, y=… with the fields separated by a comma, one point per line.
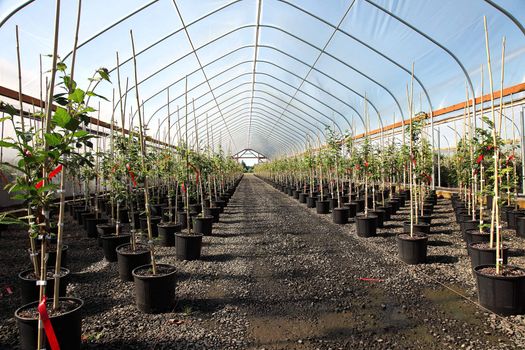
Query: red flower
x=366, y=164
x=479, y=159
x=27, y=153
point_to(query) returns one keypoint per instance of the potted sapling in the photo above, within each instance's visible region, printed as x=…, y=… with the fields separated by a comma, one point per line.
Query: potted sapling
x=501, y=287
x=340, y=213
x=412, y=244
x=43, y=156
x=154, y=282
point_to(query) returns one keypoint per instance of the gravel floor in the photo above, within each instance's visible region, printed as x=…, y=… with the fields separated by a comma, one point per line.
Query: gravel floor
x=275, y=275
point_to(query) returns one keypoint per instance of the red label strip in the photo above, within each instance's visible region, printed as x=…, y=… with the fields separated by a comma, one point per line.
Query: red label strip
x=132, y=175
x=48, y=327
x=51, y=175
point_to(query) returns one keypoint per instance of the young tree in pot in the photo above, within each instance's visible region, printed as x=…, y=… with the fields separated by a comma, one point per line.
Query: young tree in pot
x=188, y=243
x=366, y=224
x=340, y=213
x=154, y=283
x=43, y=154
x=412, y=245
x=324, y=163
x=202, y=223
x=501, y=287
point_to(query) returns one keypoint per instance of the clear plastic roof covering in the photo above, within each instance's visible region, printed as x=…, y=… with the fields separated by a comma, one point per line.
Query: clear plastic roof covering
x=266, y=73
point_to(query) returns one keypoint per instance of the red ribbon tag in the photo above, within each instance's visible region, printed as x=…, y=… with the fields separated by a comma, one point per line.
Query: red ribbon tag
x=183, y=187
x=9, y=290
x=51, y=175
x=132, y=175
x=48, y=327
x=366, y=279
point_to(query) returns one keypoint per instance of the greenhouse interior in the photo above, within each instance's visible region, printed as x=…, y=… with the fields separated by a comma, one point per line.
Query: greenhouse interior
x=262, y=174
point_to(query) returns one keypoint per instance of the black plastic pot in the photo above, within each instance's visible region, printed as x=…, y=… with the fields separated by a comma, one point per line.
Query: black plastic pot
x=512, y=215
x=352, y=209
x=188, y=246
x=52, y=257
x=196, y=208
x=485, y=256
x=182, y=218
x=91, y=226
x=129, y=260
x=340, y=215
x=395, y=205
x=333, y=203
x=155, y=220
x=504, y=295
x=425, y=219
x=155, y=293
x=504, y=212
x=83, y=216
x=418, y=228
x=380, y=216
x=401, y=200
x=29, y=291
x=387, y=209
x=366, y=226
x=310, y=202
x=156, y=209
x=302, y=197
x=520, y=226
x=468, y=225
x=67, y=326
x=221, y=204
x=360, y=205
x=79, y=211
x=203, y=225
x=215, y=212
x=167, y=233
x=322, y=207
x=474, y=236
x=110, y=244
x=412, y=250
x=106, y=229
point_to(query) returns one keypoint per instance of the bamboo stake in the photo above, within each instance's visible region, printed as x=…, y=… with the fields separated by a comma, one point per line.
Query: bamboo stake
x=144, y=169
x=187, y=194
x=494, y=225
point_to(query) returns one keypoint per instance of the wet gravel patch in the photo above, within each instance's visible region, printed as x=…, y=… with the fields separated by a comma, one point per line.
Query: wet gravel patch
x=275, y=275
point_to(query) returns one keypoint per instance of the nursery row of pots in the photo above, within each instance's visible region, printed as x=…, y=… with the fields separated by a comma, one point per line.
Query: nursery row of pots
x=153, y=293
x=503, y=294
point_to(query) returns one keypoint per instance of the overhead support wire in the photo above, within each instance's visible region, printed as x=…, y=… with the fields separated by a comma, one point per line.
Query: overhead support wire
x=202, y=68
x=322, y=51
x=255, y=52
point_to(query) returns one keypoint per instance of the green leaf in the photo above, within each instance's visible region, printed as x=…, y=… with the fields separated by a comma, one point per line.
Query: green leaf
x=104, y=74
x=7, y=144
x=77, y=95
x=61, y=117
x=61, y=66
x=53, y=140
x=80, y=133
x=91, y=93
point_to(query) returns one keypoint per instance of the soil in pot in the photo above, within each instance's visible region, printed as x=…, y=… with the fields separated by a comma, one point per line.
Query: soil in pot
x=29, y=291
x=110, y=244
x=412, y=250
x=66, y=321
x=155, y=293
x=340, y=215
x=167, y=233
x=188, y=246
x=366, y=226
x=474, y=236
x=128, y=259
x=482, y=254
x=322, y=207
x=502, y=293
